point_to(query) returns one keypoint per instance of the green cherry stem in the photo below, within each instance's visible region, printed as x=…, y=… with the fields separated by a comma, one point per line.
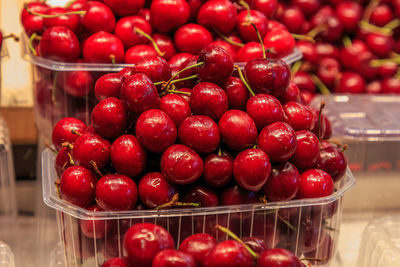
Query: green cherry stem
x=259, y=39
x=185, y=69
x=375, y=29
x=392, y=24
x=112, y=57
x=30, y=44
x=247, y=7
x=184, y=79
x=236, y=238
x=226, y=39
x=296, y=67
x=347, y=41
x=303, y=37
x=321, y=86
x=244, y=80
x=148, y=37
x=46, y=16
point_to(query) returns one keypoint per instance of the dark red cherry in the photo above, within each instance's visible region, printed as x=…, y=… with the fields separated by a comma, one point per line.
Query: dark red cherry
x=116, y=192
x=181, y=165
x=198, y=246
x=143, y=241
x=191, y=38
x=136, y=53
x=103, y=47
x=246, y=30
x=256, y=244
x=77, y=186
x=59, y=43
x=267, y=7
x=94, y=228
x=326, y=50
x=236, y=92
x=69, y=21
x=293, y=18
x=139, y=94
x=202, y=195
x=349, y=54
x=227, y=47
x=155, y=190
x=229, y=253
x=328, y=71
x=323, y=253
x=349, y=13
x=278, y=257
x=109, y=117
x=388, y=69
x=333, y=27
x=351, y=82
x=283, y=183
x=91, y=148
x=127, y=156
x=251, y=169
x=238, y=130
x=171, y=257
x=156, y=68
x=264, y=109
x=309, y=7
x=116, y=262
x=236, y=195
x=124, y=8
x=315, y=183
x=307, y=150
x=176, y=107
x=304, y=82
x=76, y=83
x=125, y=31
x=278, y=140
x=62, y=161
x=249, y=51
x=98, y=17
x=391, y=86
x=218, y=14
x=178, y=59
x=218, y=169
x=165, y=44
x=67, y=130
x=155, y=130
x=205, y=130
x=308, y=50
x=332, y=160
x=168, y=15
x=108, y=85
x=291, y=94
x=381, y=15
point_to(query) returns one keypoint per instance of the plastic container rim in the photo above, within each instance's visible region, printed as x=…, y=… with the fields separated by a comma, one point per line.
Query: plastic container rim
x=62, y=66
x=52, y=200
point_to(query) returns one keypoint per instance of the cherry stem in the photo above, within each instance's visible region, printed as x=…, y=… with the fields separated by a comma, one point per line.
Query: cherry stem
x=287, y=222
x=11, y=35
x=112, y=57
x=46, y=16
x=380, y=62
x=255, y=146
x=375, y=29
x=184, y=69
x=66, y=144
x=219, y=151
x=296, y=67
x=96, y=169
x=317, y=30
x=228, y=40
x=321, y=107
x=71, y=161
x=321, y=86
x=51, y=148
x=184, y=79
x=368, y=10
x=328, y=227
x=392, y=24
x=75, y=132
x=303, y=37
x=244, y=80
x=246, y=6
x=174, y=203
x=69, y=4
x=236, y=238
x=30, y=44
x=397, y=75
x=178, y=92
x=347, y=41
x=259, y=39
x=148, y=37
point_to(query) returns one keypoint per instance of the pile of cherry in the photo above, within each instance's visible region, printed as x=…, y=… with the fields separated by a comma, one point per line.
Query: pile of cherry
x=357, y=48
x=148, y=244
x=127, y=31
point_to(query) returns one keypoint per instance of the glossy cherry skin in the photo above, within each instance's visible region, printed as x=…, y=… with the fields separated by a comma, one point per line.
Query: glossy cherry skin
x=127, y=156
x=293, y=18
x=139, y=94
x=62, y=161
x=249, y=51
x=202, y=195
x=191, y=38
x=136, y=53
x=308, y=50
x=251, y=169
x=60, y=44
x=246, y=31
x=280, y=43
x=351, y=82
x=198, y=246
x=218, y=169
x=278, y=140
x=218, y=14
x=381, y=45
x=278, y=257
x=381, y=15
x=309, y=7
x=283, y=183
x=94, y=228
x=237, y=129
x=264, y=109
x=332, y=160
x=116, y=192
x=326, y=50
x=90, y=147
x=108, y=85
x=116, y=262
x=33, y=24
x=387, y=70
x=307, y=150
x=143, y=241
x=125, y=31
x=77, y=186
x=155, y=130
x=226, y=46
x=291, y=94
x=315, y=183
x=208, y=99
x=168, y=15
x=166, y=45
x=69, y=21
x=109, y=118
x=328, y=71
x=391, y=86
x=236, y=195
x=218, y=64
x=38, y=7
x=349, y=13
x=269, y=76
x=176, y=107
x=171, y=258
x=98, y=17
x=206, y=132
x=267, y=7
x=229, y=253
x=155, y=190
x=124, y=8
x=236, y=92
x=374, y=87
x=101, y=47
x=299, y=116
x=76, y=83
x=181, y=165
x=178, y=59
x=304, y=82
x=64, y=130
x=156, y=68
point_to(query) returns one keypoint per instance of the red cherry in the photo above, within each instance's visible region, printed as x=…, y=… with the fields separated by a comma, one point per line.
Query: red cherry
x=64, y=130
x=279, y=42
x=226, y=46
x=181, y=165
x=350, y=82
x=165, y=44
x=267, y=7
x=171, y=257
x=326, y=50
x=229, y=253
x=324, y=252
x=176, y=107
x=139, y=94
x=77, y=186
x=109, y=117
x=278, y=140
x=178, y=59
x=236, y=92
x=381, y=15
x=299, y=116
x=198, y=246
x=334, y=28
x=194, y=6
x=127, y=156
x=283, y=183
x=315, y=183
x=155, y=190
x=191, y=38
x=34, y=6
x=293, y=18
x=307, y=150
x=204, y=196
x=69, y=21
x=218, y=169
x=155, y=130
x=89, y=148
x=116, y=192
x=391, y=86
x=156, y=68
x=264, y=109
x=304, y=82
x=278, y=257
x=328, y=71
x=33, y=24
x=309, y=7
x=374, y=87
x=251, y=169
x=349, y=13
x=249, y=51
x=76, y=83
x=218, y=14
x=332, y=161
x=143, y=241
x=62, y=161
x=308, y=50
x=388, y=69
x=94, y=228
x=238, y=130
x=168, y=15
x=59, y=43
x=381, y=45
x=125, y=7
x=125, y=31
x=291, y=94
x=108, y=85
x=98, y=17
x=246, y=31
x=236, y=195
x=116, y=262
x=136, y=53
x=103, y=47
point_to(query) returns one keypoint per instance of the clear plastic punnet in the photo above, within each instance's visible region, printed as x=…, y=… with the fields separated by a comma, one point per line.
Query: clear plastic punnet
x=6, y=256
x=51, y=80
x=370, y=126
x=308, y=227
x=380, y=244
